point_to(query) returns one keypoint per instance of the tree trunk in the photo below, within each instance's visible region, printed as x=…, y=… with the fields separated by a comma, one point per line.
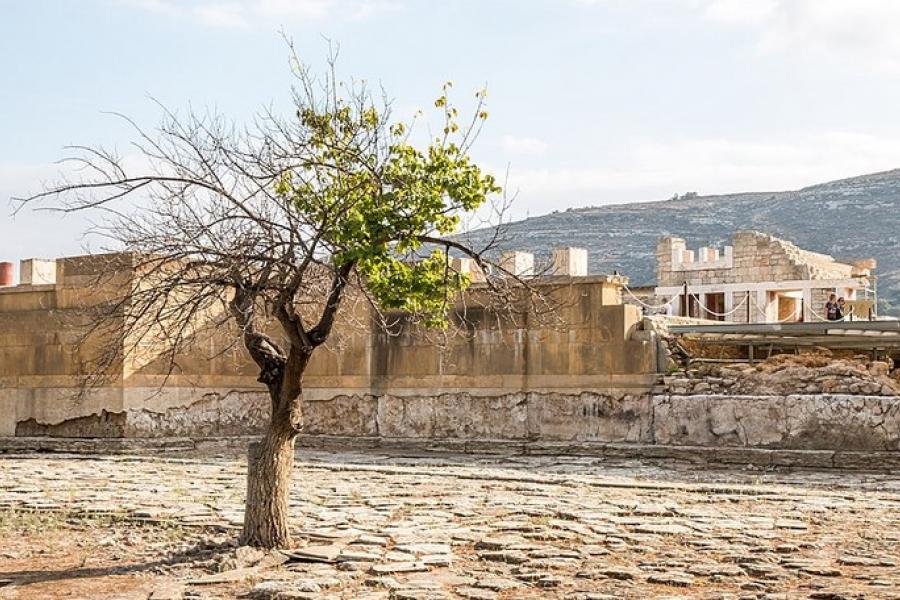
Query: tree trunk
x=269, y=467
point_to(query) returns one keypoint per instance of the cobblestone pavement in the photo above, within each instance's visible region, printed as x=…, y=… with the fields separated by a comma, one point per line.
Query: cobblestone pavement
x=388, y=526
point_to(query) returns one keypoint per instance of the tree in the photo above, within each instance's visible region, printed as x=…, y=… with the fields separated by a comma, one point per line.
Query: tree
x=270, y=228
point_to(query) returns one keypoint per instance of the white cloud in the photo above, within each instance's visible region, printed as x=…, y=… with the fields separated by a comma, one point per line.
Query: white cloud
x=739, y=11
x=654, y=170
x=221, y=15
x=512, y=144
x=860, y=32
x=247, y=13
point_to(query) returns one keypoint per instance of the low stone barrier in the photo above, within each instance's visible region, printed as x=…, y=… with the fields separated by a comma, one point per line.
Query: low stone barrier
x=810, y=430
x=793, y=422
x=463, y=416
x=197, y=413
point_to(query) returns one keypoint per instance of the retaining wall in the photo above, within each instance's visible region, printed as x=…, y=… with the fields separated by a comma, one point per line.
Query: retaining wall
x=795, y=422
x=835, y=422
x=49, y=346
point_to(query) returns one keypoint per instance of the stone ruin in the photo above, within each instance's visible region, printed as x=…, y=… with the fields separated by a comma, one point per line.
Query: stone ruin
x=784, y=374
x=607, y=382
x=759, y=278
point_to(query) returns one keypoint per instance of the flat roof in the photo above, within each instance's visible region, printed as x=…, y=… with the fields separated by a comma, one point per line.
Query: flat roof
x=863, y=335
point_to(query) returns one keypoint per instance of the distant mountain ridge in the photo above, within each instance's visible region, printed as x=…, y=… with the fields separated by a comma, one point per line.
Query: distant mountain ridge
x=857, y=217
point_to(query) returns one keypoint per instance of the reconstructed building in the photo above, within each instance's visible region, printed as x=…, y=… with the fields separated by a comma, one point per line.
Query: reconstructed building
x=758, y=279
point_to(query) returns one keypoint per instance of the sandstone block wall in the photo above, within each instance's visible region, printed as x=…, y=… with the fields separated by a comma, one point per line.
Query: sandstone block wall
x=756, y=257
x=214, y=390
x=744, y=304
x=49, y=343
x=784, y=283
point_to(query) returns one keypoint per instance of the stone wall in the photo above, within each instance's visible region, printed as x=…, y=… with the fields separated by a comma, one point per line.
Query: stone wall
x=591, y=344
x=759, y=279
x=587, y=378
x=463, y=416
x=743, y=303
x=819, y=297
x=795, y=422
x=787, y=374
x=755, y=257
x=212, y=414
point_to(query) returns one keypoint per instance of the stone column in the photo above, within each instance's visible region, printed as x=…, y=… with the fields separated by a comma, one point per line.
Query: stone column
x=807, y=305
x=762, y=307
x=729, y=305
x=520, y=264
x=668, y=255
x=570, y=261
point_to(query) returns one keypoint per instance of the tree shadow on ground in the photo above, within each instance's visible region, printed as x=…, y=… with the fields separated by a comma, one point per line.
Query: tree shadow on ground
x=195, y=554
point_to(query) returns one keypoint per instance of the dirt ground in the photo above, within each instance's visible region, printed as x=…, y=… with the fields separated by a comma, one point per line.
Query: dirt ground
x=54, y=555
x=397, y=527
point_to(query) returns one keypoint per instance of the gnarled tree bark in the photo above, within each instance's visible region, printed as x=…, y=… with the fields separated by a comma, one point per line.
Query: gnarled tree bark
x=270, y=463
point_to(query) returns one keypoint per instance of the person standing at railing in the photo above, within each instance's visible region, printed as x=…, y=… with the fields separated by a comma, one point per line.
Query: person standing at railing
x=832, y=309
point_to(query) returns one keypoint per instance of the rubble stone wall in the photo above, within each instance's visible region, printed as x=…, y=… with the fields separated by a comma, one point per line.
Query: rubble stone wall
x=836, y=422
x=185, y=412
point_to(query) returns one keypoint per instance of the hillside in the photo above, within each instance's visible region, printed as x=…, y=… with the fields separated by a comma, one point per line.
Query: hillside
x=850, y=218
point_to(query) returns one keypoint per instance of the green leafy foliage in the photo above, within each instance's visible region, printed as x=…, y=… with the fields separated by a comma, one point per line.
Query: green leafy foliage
x=370, y=196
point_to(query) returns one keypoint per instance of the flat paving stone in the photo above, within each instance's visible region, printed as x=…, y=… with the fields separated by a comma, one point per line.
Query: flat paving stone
x=399, y=567
x=377, y=525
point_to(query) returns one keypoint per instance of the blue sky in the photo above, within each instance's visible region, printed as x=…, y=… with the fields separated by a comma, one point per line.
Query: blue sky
x=592, y=101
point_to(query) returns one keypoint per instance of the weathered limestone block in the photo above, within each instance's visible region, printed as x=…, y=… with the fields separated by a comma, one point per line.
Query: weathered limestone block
x=213, y=414
x=453, y=416
x=405, y=416
x=52, y=406
x=463, y=416
x=589, y=416
x=37, y=271
x=342, y=415
x=569, y=261
x=8, y=402
x=520, y=264
x=209, y=414
x=802, y=422
x=784, y=375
